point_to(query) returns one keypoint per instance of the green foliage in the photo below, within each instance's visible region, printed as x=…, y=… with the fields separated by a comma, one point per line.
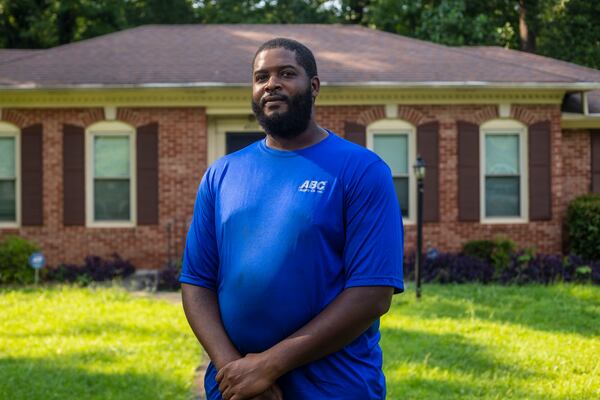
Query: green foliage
x=497, y=252
x=583, y=226
x=564, y=29
x=14, y=260
x=573, y=33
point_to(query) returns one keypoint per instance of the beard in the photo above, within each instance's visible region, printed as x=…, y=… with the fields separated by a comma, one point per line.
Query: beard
x=289, y=124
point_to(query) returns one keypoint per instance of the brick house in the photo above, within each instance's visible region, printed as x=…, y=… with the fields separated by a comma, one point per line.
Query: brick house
x=103, y=142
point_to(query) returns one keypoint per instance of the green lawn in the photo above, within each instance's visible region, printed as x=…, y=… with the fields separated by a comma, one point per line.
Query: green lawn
x=471, y=342
x=459, y=342
x=69, y=343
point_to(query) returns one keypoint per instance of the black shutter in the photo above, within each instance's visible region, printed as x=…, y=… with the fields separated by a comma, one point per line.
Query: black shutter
x=32, y=205
x=355, y=133
x=147, y=174
x=73, y=175
x=468, y=171
x=540, y=190
x=595, y=142
x=428, y=149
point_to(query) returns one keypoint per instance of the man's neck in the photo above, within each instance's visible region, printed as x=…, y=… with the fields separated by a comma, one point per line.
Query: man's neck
x=312, y=135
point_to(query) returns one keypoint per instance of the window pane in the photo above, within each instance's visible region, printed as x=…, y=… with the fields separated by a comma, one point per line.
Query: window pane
x=502, y=154
x=111, y=200
x=401, y=185
x=7, y=201
x=393, y=149
x=502, y=197
x=7, y=157
x=111, y=156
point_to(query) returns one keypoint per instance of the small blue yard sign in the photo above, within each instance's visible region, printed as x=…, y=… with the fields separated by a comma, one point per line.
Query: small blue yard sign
x=37, y=261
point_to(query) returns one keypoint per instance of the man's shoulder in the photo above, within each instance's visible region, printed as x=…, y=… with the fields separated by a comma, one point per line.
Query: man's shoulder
x=351, y=154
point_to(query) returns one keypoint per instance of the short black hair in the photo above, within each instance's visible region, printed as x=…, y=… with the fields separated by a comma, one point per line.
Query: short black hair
x=304, y=56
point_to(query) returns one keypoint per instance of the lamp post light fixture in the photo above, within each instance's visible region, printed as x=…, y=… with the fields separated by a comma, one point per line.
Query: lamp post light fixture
x=419, y=169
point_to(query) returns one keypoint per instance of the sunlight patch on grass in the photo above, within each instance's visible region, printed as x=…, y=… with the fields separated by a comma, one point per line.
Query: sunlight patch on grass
x=68, y=342
x=490, y=342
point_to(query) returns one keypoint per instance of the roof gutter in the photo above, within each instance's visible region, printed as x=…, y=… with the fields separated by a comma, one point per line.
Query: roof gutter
x=568, y=86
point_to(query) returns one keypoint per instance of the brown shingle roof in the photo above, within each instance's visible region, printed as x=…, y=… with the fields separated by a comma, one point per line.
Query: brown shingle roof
x=221, y=54
x=7, y=55
x=550, y=65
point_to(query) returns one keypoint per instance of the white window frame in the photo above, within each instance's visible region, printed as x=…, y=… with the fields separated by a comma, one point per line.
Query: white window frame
x=400, y=127
x=218, y=126
x=110, y=128
x=10, y=130
x=508, y=127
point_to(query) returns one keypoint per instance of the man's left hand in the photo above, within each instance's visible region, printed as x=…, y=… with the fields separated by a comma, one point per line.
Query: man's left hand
x=244, y=378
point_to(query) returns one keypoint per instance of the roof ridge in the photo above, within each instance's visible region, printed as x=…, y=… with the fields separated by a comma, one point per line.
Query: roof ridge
x=33, y=54
x=471, y=54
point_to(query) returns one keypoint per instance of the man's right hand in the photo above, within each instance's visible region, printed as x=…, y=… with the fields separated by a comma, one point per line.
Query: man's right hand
x=272, y=393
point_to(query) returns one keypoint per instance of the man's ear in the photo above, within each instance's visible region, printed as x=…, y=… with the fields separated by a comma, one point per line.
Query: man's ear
x=315, y=85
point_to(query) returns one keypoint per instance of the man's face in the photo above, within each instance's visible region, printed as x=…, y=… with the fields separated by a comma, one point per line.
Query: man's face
x=282, y=93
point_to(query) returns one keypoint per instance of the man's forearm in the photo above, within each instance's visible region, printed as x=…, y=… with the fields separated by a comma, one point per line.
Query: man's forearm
x=341, y=322
x=202, y=311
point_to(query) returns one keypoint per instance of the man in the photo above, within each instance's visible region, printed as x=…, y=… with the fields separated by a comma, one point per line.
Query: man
x=294, y=251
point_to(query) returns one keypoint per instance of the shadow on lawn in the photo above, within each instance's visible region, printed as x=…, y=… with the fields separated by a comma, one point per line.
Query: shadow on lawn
x=422, y=388
x=546, y=308
x=451, y=352
x=472, y=369
x=66, y=377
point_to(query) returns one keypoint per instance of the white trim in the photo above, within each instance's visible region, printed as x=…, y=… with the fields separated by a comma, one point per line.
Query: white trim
x=400, y=127
x=110, y=113
x=10, y=130
x=110, y=128
x=504, y=110
x=391, y=110
x=217, y=130
x=509, y=127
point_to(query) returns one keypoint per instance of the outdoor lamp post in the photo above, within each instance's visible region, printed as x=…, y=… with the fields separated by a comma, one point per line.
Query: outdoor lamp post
x=419, y=169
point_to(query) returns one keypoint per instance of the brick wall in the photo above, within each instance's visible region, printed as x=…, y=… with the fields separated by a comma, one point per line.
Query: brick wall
x=577, y=159
x=449, y=234
x=182, y=149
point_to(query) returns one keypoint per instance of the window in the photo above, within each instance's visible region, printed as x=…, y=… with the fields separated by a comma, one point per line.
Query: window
x=503, y=172
x=110, y=174
x=394, y=142
x=9, y=175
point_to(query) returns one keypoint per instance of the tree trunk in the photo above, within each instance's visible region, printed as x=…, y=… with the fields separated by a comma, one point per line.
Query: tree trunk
x=525, y=34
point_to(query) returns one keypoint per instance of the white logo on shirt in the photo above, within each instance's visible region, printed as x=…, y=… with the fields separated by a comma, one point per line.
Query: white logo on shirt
x=312, y=186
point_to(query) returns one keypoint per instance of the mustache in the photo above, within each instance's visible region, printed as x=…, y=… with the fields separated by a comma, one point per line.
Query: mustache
x=273, y=97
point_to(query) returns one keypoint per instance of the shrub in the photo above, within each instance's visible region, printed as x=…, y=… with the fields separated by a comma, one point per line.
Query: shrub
x=498, y=252
x=168, y=277
x=451, y=268
x=523, y=267
x=14, y=260
x=583, y=226
x=95, y=269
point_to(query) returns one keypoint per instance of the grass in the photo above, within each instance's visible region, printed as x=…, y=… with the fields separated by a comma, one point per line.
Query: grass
x=70, y=343
x=491, y=342
x=458, y=342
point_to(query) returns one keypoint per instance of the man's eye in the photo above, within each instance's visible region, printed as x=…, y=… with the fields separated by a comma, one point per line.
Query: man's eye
x=287, y=73
x=260, y=78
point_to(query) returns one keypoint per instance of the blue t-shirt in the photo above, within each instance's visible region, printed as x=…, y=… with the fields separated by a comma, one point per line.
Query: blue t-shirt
x=278, y=235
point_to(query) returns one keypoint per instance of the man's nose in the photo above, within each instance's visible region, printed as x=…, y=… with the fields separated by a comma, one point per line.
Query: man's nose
x=273, y=83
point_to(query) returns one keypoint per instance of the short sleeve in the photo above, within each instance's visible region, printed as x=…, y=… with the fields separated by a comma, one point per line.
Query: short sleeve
x=373, y=252
x=201, y=257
